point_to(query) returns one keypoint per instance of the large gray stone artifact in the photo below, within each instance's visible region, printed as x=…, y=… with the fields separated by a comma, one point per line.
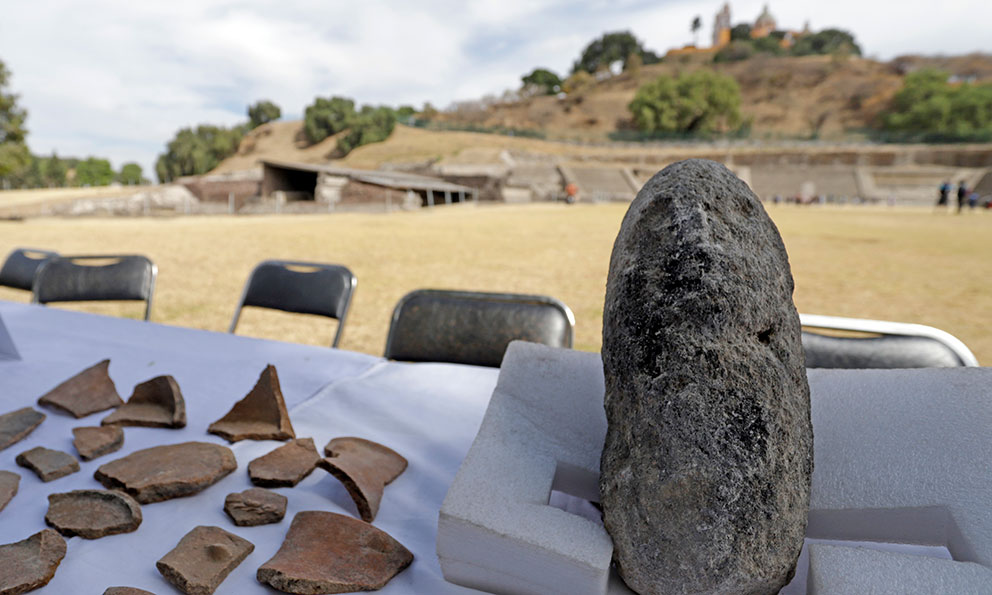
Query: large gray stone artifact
x=89, y=391
x=203, y=559
x=705, y=473
x=261, y=415
x=164, y=472
x=29, y=564
x=8, y=487
x=155, y=403
x=92, y=514
x=326, y=552
x=285, y=466
x=96, y=441
x=48, y=464
x=16, y=425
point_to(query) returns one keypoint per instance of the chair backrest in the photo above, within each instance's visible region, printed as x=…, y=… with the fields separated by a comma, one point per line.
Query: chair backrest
x=302, y=288
x=894, y=345
x=21, y=266
x=96, y=278
x=473, y=327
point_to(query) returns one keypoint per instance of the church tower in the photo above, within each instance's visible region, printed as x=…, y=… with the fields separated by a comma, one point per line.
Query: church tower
x=721, y=27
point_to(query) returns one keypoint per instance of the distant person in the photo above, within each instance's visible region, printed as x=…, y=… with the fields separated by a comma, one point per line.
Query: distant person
x=972, y=200
x=571, y=193
x=945, y=191
x=962, y=194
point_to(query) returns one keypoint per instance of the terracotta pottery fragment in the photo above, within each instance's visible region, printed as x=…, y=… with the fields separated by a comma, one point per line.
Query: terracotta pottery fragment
x=171, y=471
x=203, y=559
x=126, y=591
x=48, y=464
x=285, y=466
x=16, y=425
x=326, y=552
x=261, y=415
x=365, y=468
x=92, y=514
x=155, y=403
x=96, y=441
x=31, y=563
x=255, y=506
x=89, y=391
x=8, y=487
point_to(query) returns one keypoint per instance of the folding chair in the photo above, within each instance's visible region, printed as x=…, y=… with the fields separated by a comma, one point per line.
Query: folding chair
x=21, y=266
x=96, y=278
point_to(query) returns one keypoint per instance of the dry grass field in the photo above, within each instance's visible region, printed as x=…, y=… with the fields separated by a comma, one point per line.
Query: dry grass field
x=893, y=264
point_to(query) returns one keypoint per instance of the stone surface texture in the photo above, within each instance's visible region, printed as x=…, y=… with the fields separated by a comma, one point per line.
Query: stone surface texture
x=365, y=468
x=261, y=415
x=16, y=425
x=326, y=552
x=96, y=441
x=171, y=471
x=705, y=473
x=255, y=506
x=155, y=403
x=203, y=559
x=126, y=591
x=285, y=466
x=8, y=487
x=92, y=514
x=48, y=464
x=85, y=393
x=29, y=564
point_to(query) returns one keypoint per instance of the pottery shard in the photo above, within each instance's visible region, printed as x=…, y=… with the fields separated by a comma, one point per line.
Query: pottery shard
x=48, y=464
x=126, y=591
x=164, y=472
x=155, y=403
x=16, y=425
x=8, y=487
x=92, y=514
x=705, y=473
x=326, y=552
x=93, y=442
x=31, y=563
x=365, y=468
x=285, y=466
x=261, y=415
x=255, y=506
x=89, y=391
x=203, y=559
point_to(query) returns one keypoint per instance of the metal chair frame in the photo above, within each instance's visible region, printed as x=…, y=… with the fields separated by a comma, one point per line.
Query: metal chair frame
x=20, y=269
x=92, y=292
x=350, y=283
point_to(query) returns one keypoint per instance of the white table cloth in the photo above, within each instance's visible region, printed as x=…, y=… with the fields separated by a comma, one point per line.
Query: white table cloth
x=429, y=413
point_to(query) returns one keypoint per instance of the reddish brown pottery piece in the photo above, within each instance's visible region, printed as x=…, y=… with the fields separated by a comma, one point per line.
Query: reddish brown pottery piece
x=155, y=403
x=261, y=415
x=203, y=559
x=92, y=514
x=89, y=391
x=326, y=552
x=255, y=506
x=29, y=564
x=16, y=425
x=285, y=466
x=48, y=464
x=164, y=472
x=365, y=468
x=96, y=441
x=8, y=487
x=126, y=591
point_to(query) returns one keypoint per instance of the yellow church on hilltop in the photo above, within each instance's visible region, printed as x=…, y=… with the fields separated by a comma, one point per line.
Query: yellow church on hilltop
x=764, y=26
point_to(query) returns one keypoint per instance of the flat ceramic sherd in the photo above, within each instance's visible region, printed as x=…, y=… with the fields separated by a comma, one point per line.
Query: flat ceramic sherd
x=8, y=487
x=261, y=415
x=85, y=393
x=203, y=559
x=96, y=441
x=92, y=514
x=285, y=466
x=16, y=425
x=164, y=472
x=48, y=464
x=29, y=564
x=255, y=506
x=126, y=591
x=365, y=468
x=155, y=403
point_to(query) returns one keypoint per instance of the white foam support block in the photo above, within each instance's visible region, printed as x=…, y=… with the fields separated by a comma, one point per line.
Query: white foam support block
x=901, y=456
x=7, y=349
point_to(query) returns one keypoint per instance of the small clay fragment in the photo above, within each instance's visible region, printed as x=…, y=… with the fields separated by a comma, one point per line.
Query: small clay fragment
x=92, y=514
x=96, y=441
x=48, y=464
x=89, y=391
x=261, y=415
x=285, y=466
x=29, y=564
x=203, y=559
x=126, y=591
x=164, y=472
x=16, y=425
x=255, y=506
x=326, y=552
x=8, y=487
x=365, y=468
x=155, y=403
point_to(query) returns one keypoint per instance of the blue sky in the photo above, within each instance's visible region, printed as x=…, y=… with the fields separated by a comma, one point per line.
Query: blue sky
x=117, y=78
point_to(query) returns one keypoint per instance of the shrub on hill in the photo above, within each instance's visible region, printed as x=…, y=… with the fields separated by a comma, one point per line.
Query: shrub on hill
x=325, y=117
x=371, y=125
x=828, y=41
x=609, y=48
x=544, y=80
x=931, y=108
x=262, y=112
x=197, y=151
x=703, y=101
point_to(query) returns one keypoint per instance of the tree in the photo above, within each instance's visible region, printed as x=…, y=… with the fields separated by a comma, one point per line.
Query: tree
x=700, y=102
x=53, y=171
x=130, y=175
x=94, y=172
x=14, y=154
x=544, y=79
x=262, y=112
x=577, y=82
x=928, y=104
x=740, y=32
x=610, y=48
x=827, y=41
x=194, y=152
x=697, y=24
x=326, y=117
x=734, y=51
x=371, y=125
